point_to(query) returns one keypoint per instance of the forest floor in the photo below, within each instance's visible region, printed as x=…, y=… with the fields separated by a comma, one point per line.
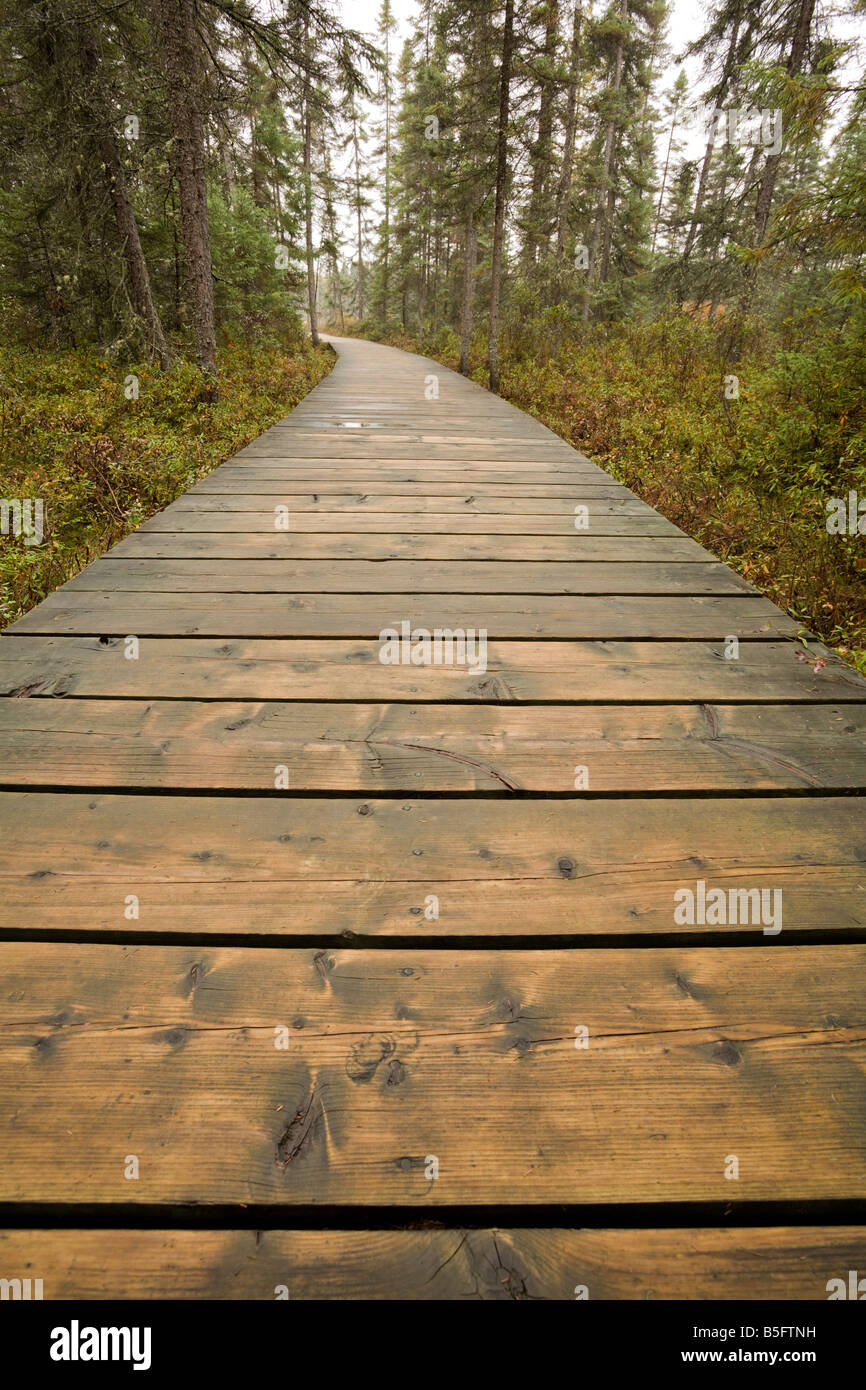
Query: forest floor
x=102, y=463
x=748, y=477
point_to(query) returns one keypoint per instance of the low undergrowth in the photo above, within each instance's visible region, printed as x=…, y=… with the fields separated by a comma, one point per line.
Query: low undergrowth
x=102, y=463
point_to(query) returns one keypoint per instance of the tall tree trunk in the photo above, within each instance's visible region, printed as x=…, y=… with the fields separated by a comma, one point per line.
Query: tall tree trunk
x=796, y=58
x=472, y=112
x=603, y=225
x=308, y=229
x=181, y=60
x=501, y=180
x=437, y=256
x=312, y=287
x=537, y=220
x=258, y=174
x=563, y=192
x=422, y=299
x=607, y=230
x=470, y=249
x=359, y=209
x=703, y=181
x=335, y=276
x=664, y=178
x=361, y=292
x=799, y=39
x=115, y=174
x=228, y=172
x=720, y=98
x=386, y=226
x=139, y=277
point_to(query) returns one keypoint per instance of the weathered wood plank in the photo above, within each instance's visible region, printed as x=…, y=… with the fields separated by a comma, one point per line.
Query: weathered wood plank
x=785, y=1263
x=426, y=459
x=169, y=1054
x=226, y=482
x=390, y=748
x=342, y=476
x=295, y=669
x=469, y=504
x=271, y=474
x=285, y=865
x=277, y=545
x=349, y=615
x=291, y=441
x=630, y=518
x=682, y=576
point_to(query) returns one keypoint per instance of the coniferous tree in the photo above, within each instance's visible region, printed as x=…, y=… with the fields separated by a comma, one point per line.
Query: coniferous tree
x=501, y=192
x=182, y=59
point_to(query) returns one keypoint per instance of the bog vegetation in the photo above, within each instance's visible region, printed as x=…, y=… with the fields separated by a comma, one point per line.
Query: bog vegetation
x=663, y=263
x=103, y=463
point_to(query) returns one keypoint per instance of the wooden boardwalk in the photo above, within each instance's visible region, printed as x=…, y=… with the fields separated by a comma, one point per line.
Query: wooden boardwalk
x=340, y=978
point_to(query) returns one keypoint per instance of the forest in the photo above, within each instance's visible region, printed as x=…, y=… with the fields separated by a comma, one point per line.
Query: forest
x=669, y=271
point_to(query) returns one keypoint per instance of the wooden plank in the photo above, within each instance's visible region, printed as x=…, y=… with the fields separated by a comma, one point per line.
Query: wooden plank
x=169, y=1054
x=367, y=615
x=490, y=437
x=392, y=748
x=487, y=442
x=343, y=476
x=286, y=865
x=278, y=545
x=337, y=446
x=785, y=1263
x=285, y=669
x=420, y=456
x=478, y=424
x=683, y=576
x=227, y=481
x=631, y=518
x=359, y=471
x=386, y=409
x=483, y=428
x=470, y=504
